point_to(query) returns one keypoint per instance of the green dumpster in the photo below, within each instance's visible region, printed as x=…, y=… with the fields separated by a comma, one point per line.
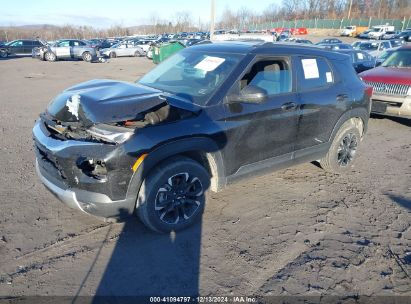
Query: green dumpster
x=163, y=51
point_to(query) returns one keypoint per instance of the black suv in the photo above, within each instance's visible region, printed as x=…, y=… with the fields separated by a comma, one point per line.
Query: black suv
x=19, y=47
x=209, y=115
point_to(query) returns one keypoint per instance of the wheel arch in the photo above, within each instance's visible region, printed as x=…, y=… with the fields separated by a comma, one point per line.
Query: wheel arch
x=201, y=149
x=359, y=117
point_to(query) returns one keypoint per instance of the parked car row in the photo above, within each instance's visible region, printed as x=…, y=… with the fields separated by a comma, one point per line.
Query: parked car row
x=90, y=50
x=385, y=33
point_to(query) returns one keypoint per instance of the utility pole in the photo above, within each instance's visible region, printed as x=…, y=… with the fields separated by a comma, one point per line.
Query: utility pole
x=349, y=10
x=212, y=17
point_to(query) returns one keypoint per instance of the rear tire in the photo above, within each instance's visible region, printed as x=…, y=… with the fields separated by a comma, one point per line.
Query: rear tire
x=87, y=57
x=341, y=154
x=172, y=197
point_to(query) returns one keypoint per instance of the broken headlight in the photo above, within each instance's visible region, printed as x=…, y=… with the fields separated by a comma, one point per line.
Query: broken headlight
x=110, y=134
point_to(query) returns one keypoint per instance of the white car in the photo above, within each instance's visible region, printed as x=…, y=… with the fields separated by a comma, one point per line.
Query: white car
x=144, y=44
x=123, y=50
x=389, y=35
x=379, y=30
x=374, y=48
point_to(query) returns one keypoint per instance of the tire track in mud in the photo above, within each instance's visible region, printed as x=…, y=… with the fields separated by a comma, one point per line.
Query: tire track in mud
x=69, y=247
x=348, y=251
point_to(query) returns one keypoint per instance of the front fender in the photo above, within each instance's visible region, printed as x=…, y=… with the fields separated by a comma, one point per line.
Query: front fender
x=206, y=146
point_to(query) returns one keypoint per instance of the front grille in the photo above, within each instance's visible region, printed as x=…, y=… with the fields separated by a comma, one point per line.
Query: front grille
x=389, y=89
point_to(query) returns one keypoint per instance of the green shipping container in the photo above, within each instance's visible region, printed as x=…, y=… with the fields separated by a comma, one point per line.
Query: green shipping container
x=163, y=51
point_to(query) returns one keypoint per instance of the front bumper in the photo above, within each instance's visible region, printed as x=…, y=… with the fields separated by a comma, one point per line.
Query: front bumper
x=89, y=202
x=391, y=105
x=56, y=165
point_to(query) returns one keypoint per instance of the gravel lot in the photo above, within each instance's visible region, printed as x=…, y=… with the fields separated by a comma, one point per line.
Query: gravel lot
x=298, y=231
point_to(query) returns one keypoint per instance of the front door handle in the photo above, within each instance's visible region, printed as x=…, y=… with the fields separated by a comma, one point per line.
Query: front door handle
x=342, y=97
x=289, y=106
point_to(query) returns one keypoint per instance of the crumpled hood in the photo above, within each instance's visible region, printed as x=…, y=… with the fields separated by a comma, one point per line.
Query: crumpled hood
x=104, y=101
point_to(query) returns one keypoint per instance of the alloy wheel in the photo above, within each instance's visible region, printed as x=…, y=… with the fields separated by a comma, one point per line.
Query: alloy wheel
x=179, y=199
x=347, y=149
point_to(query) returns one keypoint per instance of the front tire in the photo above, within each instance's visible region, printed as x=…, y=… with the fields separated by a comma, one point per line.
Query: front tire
x=343, y=149
x=113, y=55
x=50, y=56
x=3, y=54
x=172, y=197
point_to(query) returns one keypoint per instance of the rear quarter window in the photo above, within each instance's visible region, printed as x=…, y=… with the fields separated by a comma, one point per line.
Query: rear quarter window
x=313, y=73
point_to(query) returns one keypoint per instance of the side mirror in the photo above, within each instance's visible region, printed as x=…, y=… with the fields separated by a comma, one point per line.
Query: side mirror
x=250, y=94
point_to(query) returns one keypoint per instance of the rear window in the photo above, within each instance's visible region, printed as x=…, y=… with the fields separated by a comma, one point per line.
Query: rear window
x=313, y=73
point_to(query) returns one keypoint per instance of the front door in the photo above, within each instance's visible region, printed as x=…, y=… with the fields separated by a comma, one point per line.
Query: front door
x=63, y=49
x=263, y=131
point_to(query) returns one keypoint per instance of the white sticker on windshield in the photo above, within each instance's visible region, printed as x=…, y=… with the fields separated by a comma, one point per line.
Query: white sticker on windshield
x=310, y=68
x=209, y=63
x=329, y=76
x=360, y=56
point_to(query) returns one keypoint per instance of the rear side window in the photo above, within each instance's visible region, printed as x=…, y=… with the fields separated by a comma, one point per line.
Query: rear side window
x=313, y=73
x=27, y=43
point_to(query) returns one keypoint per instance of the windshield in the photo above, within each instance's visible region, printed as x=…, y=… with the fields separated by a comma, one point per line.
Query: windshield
x=368, y=46
x=384, y=55
x=399, y=59
x=192, y=75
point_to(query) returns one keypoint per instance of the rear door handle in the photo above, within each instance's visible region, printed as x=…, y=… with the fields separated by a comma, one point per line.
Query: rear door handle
x=342, y=97
x=289, y=106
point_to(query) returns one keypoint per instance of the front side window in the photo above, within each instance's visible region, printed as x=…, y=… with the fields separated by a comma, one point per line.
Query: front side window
x=64, y=43
x=273, y=76
x=313, y=73
x=17, y=43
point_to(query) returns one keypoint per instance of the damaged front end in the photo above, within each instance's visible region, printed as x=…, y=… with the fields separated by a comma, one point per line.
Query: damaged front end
x=80, y=142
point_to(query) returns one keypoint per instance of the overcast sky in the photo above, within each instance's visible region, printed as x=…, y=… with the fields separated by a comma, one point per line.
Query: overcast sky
x=100, y=13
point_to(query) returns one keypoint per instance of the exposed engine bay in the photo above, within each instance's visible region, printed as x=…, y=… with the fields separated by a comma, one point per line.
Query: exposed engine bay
x=163, y=113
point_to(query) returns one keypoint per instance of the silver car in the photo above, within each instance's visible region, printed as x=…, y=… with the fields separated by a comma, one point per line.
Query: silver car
x=122, y=50
x=67, y=49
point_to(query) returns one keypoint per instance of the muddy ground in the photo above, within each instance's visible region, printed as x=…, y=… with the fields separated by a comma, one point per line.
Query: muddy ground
x=298, y=231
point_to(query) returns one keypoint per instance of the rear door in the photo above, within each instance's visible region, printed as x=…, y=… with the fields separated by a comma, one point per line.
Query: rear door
x=27, y=46
x=76, y=48
x=322, y=98
x=122, y=50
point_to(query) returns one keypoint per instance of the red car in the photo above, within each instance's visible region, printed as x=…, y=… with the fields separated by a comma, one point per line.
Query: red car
x=392, y=84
